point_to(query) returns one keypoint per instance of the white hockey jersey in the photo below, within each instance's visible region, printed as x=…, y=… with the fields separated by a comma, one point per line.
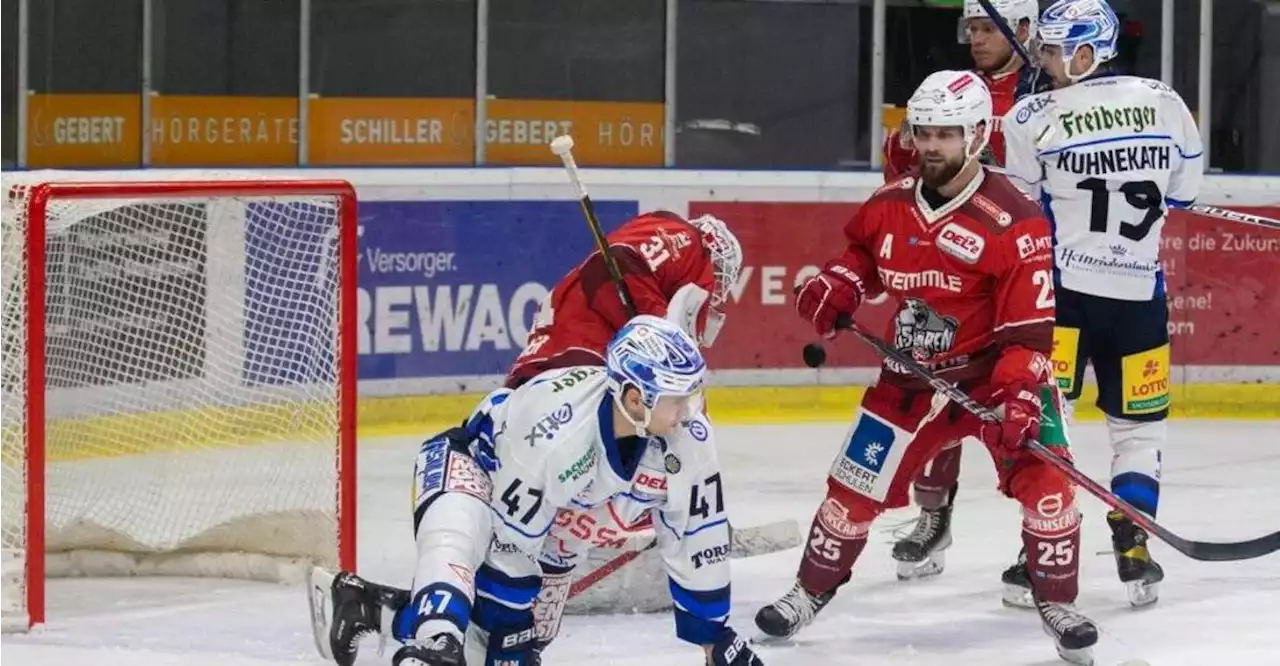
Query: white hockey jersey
x=1106, y=157
x=549, y=446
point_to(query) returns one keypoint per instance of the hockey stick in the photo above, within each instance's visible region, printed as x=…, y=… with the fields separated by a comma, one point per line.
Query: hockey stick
x=1234, y=216
x=1003, y=27
x=747, y=542
x=1196, y=550
x=562, y=146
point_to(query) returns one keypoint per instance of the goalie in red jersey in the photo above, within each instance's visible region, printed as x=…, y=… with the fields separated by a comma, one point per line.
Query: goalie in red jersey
x=969, y=258
x=1007, y=77
x=674, y=268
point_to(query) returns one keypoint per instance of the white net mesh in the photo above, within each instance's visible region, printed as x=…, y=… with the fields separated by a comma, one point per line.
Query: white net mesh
x=192, y=386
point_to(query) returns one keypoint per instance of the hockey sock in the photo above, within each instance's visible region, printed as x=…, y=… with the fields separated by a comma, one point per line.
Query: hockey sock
x=934, y=484
x=1051, y=535
x=1135, y=464
x=835, y=541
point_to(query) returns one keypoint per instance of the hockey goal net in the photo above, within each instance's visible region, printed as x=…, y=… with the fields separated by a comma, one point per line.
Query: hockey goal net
x=178, y=381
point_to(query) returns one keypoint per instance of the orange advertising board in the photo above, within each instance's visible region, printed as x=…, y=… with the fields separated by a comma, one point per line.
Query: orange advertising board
x=223, y=131
x=105, y=131
x=605, y=133
x=83, y=131
x=370, y=130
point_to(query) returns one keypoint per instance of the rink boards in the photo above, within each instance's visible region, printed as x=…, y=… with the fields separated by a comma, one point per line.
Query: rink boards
x=454, y=262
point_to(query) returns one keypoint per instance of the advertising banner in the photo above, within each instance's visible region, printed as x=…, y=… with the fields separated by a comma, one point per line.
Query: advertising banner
x=783, y=244
x=84, y=131
x=1223, y=294
x=451, y=287
x=607, y=133
x=348, y=131
x=223, y=131
x=1224, y=289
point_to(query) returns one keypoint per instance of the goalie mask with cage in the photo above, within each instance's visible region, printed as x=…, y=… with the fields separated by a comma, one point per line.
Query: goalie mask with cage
x=953, y=98
x=658, y=359
x=726, y=259
x=1071, y=24
x=1014, y=12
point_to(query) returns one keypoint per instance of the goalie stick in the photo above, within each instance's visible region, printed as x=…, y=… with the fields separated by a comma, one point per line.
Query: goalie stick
x=562, y=146
x=1196, y=550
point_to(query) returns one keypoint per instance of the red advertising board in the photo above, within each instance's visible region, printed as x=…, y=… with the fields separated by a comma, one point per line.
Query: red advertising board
x=1223, y=287
x=1224, y=290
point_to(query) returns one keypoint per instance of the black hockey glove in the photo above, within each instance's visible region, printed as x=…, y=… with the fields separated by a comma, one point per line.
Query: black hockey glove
x=731, y=650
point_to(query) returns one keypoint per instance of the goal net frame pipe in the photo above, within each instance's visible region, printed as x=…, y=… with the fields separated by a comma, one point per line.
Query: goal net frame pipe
x=37, y=206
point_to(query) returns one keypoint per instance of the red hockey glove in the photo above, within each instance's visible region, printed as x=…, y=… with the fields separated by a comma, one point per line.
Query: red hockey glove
x=1019, y=405
x=824, y=297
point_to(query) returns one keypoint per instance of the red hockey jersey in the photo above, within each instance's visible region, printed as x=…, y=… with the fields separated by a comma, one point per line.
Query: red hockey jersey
x=657, y=253
x=973, y=278
x=1004, y=94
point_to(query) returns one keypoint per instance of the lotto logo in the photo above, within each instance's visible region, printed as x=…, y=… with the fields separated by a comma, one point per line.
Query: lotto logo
x=1151, y=369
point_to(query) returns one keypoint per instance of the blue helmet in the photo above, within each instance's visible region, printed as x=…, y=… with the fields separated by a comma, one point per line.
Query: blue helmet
x=657, y=358
x=1071, y=24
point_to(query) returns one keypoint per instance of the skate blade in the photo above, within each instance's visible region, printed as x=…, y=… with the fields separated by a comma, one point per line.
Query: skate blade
x=1016, y=596
x=927, y=568
x=767, y=640
x=1080, y=657
x=319, y=591
x=1142, y=594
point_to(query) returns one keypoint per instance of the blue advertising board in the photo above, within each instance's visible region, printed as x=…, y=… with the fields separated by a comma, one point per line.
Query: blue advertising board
x=451, y=287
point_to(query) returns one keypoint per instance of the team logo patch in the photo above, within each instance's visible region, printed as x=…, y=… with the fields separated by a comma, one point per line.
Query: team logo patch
x=671, y=463
x=698, y=430
x=961, y=243
x=922, y=331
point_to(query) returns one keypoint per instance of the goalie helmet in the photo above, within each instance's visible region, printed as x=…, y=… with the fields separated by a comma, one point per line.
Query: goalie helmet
x=726, y=255
x=1071, y=24
x=655, y=357
x=953, y=98
x=1014, y=12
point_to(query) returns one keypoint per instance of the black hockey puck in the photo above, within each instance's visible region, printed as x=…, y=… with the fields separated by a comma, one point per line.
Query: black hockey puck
x=814, y=354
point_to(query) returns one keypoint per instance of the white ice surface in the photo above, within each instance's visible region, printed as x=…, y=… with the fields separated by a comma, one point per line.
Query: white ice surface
x=1221, y=481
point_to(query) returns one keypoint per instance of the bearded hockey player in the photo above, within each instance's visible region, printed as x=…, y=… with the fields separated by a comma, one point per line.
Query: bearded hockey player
x=969, y=258
x=1007, y=77
x=487, y=495
x=921, y=553
x=673, y=268
x=1108, y=155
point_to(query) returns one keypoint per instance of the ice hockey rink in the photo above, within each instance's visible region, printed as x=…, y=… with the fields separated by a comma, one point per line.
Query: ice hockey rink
x=1220, y=483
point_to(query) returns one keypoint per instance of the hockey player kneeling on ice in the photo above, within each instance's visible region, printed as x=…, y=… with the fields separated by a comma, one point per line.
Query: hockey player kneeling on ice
x=487, y=496
x=969, y=258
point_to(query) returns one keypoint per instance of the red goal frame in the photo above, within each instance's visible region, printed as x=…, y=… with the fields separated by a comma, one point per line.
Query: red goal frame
x=37, y=204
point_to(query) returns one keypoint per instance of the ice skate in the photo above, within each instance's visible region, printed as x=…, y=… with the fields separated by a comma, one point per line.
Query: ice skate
x=1140, y=574
x=922, y=553
x=1016, y=584
x=793, y=612
x=441, y=650
x=1073, y=634
x=346, y=608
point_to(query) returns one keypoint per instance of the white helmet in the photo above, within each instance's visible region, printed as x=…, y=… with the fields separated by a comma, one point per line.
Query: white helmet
x=726, y=255
x=953, y=98
x=1014, y=12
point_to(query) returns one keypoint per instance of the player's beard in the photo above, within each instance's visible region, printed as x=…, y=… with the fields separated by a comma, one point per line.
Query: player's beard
x=935, y=174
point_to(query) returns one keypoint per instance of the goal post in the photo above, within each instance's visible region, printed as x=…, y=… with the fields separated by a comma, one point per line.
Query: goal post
x=179, y=380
